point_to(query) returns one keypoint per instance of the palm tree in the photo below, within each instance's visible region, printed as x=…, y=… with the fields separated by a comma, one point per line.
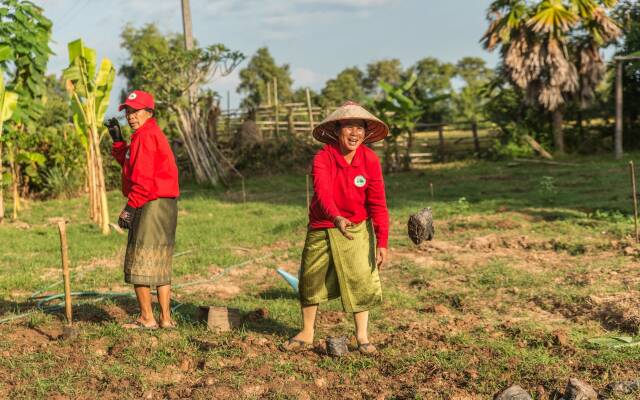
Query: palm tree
x=551, y=50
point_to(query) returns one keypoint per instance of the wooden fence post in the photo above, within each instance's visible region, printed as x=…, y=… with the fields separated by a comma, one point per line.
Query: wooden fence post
x=309, y=111
x=441, y=142
x=290, y=122
x=476, y=142
x=275, y=101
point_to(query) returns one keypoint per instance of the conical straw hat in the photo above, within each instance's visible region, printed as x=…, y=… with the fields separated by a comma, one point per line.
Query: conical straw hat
x=326, y=131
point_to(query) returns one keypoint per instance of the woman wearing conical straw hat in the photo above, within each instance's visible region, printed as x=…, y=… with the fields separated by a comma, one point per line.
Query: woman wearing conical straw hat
x=346, y=241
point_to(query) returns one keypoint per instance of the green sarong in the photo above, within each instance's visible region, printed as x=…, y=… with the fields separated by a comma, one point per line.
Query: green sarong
x=150, y=245
x=333, y=266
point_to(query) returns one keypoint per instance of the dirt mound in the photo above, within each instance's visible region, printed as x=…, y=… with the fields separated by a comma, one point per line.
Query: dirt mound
x=620, y=311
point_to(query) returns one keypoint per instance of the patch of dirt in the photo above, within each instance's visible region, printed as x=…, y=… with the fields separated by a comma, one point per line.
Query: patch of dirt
x=620, y=311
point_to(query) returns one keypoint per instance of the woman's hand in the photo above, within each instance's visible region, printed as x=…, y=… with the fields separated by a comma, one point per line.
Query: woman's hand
x=381, y=257
x=342, y=224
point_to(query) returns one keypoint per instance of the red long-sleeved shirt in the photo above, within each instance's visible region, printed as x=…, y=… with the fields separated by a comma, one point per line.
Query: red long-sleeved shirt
x=149, y=169
x=354, y=191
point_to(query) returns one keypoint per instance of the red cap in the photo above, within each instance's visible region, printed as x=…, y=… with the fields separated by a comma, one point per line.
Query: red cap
x=138, y=100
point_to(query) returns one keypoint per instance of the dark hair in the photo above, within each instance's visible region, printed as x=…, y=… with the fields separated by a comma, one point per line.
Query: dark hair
x=152, y=111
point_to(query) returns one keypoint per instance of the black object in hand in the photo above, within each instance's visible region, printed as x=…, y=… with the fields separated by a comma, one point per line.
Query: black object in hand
x=114, y=130
x=125, y=221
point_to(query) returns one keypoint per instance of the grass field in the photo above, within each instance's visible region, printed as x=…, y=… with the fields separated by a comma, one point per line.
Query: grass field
x=528, y=263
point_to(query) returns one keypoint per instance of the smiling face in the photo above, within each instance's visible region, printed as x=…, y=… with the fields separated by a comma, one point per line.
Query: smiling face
x=351, y=135
x=137, y=118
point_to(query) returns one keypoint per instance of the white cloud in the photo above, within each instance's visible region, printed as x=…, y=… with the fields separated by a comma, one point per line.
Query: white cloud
x=303, y=77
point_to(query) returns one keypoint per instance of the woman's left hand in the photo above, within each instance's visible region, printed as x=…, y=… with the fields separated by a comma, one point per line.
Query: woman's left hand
x=381, y=257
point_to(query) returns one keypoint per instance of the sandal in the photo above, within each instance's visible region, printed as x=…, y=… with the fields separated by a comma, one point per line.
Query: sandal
x=170, y=325
x=294, y=345
x=137, y=324
x=367, y=348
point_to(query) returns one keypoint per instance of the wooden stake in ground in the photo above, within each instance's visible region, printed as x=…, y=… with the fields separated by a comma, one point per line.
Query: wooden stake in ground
x=65, y=271
x=635, y=199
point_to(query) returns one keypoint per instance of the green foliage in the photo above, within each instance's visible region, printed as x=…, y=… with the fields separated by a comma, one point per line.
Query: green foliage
x=89, y=90
x=547, y=188
x=24, y=36
x=347, y=85
x=433, y=88
x=627, y=15
x=469, y=102
x=260, y=71
x=276, y=156
x=389, y=71
x=8, y=103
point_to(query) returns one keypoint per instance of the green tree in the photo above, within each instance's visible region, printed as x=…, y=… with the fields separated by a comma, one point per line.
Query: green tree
x=469, y=102
x=627, y=14
x=260, y=73
x=178, y=77
x=550, y=49
x=26, y=32
x=347, y=85
x=433, y=88
x=388, y=70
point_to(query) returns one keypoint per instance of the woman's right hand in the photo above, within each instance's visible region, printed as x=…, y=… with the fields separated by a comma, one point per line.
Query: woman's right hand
x=342, y=224
x=114, y=130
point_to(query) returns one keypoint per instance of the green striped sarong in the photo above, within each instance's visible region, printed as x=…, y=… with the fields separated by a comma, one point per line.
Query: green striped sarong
x=150, y=245
x=333, y=266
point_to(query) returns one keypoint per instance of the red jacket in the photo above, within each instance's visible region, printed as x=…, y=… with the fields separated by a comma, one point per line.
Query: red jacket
x=149, y=169
x=354, y=191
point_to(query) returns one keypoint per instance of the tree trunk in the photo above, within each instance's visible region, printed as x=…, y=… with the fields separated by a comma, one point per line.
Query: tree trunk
x=14, y=183
x=407, y=152
x=101, y=192
x=556, y=126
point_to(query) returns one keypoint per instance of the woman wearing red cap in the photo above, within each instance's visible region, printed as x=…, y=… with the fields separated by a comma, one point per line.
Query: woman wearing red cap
x=150, y=183
x=347, y=237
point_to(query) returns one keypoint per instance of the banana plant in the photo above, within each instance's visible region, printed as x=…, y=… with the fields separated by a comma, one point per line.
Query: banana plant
x=90, y=91
x=400, y=112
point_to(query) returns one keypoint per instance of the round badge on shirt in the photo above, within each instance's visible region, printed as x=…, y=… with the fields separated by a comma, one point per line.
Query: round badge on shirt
x=360, y=181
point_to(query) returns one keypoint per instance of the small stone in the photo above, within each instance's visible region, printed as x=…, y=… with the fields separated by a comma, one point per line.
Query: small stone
x=320, y=382
x=579, y=390
x=209, y=381
x=629, y=251
x=148, y=395
x=100, y=352
x=513, y=392
x=261, y=341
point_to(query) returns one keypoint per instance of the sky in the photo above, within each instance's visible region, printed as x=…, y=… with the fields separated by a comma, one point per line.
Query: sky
x=317, y=38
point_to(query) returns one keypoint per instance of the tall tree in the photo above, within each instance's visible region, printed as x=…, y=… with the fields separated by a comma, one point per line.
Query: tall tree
x=388, y=70
x=347, y=85
x=26, y=32
x=469, y=101
x=627, y=14
x=433, y=87
x=551, y=49
x=256, y=80
x=171, y=73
